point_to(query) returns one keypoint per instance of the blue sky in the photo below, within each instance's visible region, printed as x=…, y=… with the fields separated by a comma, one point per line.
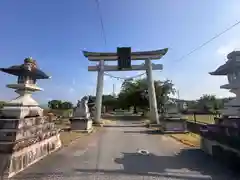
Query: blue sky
x=54, y=33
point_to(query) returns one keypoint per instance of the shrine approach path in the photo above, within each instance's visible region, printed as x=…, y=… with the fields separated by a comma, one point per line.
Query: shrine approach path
x=115, y=153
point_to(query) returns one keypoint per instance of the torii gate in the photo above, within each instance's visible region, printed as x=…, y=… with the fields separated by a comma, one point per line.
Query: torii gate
x=124, y=56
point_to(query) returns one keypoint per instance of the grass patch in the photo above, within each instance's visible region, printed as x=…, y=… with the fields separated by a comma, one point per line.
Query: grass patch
x=202, y=118
x=189, y=139
x=70, y=136
x=59, y=112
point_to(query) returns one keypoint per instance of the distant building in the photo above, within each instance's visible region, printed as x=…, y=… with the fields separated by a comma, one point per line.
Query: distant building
x=182, y=104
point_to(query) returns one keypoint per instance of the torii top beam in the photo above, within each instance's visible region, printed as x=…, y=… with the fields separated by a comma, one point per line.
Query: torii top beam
x=142, y=55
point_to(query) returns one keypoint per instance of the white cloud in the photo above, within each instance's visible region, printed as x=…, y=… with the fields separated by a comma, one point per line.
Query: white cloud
x=204, y=84
x=49, y=99
x=227, y=48
x=107, y=78
x=73, y=82
x=71, y=90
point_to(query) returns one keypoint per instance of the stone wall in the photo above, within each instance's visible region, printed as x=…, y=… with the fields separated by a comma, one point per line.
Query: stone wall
x=25, y=141
x=25, y=132
x=195, y=127
x=175, y=126
x=25, y=157
x=228, y=156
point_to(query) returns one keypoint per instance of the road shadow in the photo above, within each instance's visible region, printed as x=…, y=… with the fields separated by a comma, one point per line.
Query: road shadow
x=123, y=117
x=189, y=164
x=157, y=132
x=198, y=165
x=152, y=131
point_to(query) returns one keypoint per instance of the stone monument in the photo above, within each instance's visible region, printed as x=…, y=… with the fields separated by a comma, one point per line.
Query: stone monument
x=172, y=109
x=26, y=135
x=81, y=119
x=224, y=135
x=172, y=120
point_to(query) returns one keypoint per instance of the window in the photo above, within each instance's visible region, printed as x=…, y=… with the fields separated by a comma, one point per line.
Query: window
x=233, y=76
x=236, y=75
x=26, y=79
x=21, y=79
x=238, y=59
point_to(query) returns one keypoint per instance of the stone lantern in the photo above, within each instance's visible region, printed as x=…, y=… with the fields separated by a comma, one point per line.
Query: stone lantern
x=222, y=138
x=26, y=136
x=231, y=69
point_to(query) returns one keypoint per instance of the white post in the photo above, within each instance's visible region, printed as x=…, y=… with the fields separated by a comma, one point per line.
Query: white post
x=151, y=92
x=99, y=92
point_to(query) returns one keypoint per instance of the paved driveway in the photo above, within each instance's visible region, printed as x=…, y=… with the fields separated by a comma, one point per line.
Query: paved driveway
x=113, y=154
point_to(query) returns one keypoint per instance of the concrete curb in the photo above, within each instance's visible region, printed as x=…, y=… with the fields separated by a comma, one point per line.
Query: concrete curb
x=183, y=141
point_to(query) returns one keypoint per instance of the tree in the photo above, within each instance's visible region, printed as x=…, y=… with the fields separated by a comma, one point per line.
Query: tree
x=58, y=104
x=91, y=101
x=109, y=101
x=209, y=103
x=66, y=105
x=135, y=93
x=54, y=104
x=163, y=91
x=2, y=103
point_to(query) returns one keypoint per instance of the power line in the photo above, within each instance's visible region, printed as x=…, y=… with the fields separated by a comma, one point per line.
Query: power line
x=101, y=21
x=208, y=41
x=184, y=56
x=105, y=41
x=200, y=46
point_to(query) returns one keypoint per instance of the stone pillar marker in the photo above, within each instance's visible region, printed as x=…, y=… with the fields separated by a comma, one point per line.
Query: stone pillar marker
x=172, y=120
x=81, y=120
x=26, y=136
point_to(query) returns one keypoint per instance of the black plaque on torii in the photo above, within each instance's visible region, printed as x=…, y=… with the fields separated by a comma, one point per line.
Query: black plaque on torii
x=124, y=57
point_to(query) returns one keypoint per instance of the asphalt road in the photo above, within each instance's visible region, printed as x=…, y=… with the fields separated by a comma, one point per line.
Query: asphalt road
x=114, y=154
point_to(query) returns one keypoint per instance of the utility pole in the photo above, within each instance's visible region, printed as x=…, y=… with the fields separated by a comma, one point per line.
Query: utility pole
x=178, y=96
x=178, y=100
x=113, y=93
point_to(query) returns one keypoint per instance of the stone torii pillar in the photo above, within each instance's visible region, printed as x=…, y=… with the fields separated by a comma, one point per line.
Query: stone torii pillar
x=151, y=92
x=148, y=66
x=99, y=92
